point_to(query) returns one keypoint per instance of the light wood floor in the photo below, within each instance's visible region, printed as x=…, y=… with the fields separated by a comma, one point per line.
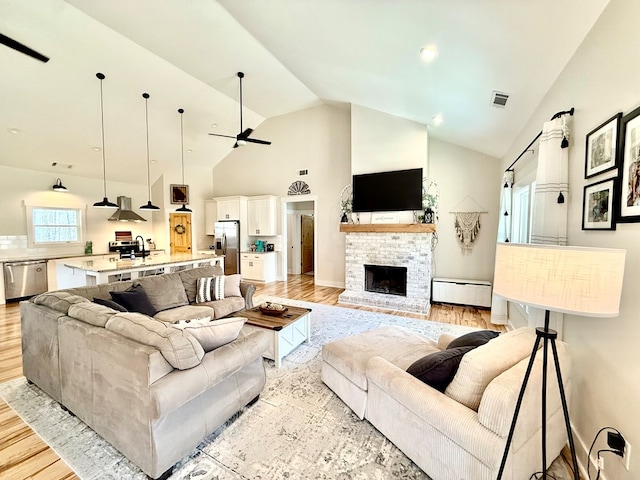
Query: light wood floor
x=23, y=455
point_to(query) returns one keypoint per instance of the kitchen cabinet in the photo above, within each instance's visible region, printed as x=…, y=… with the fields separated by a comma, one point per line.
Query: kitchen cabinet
x=258, y=266
x=228, y=208
x=210, y=216
x=261, y=215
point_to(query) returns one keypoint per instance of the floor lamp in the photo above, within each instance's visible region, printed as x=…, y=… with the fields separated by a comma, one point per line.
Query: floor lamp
x=575, y=280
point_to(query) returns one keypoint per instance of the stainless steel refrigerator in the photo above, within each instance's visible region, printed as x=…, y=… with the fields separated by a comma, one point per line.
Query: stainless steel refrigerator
x=227, y=241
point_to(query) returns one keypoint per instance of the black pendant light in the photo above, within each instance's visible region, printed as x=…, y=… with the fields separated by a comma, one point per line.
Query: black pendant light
x=59, y=187
x=105, y=203
x=149, y=205
x=183, y=208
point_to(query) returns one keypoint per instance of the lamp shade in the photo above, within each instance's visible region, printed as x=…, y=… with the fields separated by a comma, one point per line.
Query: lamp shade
x=59, y=187
x=577, y=280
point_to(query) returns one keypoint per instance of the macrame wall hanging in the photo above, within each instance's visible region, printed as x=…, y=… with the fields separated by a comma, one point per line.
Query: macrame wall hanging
x=467, y=217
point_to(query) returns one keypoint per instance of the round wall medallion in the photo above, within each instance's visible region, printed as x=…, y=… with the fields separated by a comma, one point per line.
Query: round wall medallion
x=298, y=188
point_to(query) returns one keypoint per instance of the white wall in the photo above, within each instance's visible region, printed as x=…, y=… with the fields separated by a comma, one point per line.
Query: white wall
x=459, y=173
x=381, y=142
x=600, y=80
x=316, y=139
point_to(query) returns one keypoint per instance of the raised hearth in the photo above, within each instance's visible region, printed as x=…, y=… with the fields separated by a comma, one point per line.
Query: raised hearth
x=411, y=250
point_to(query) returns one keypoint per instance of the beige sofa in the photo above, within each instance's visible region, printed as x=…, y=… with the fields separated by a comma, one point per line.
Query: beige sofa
x=148, y=388
x=458, y=434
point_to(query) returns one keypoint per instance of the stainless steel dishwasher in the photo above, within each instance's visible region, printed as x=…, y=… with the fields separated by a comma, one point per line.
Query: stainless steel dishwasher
x=24, y=279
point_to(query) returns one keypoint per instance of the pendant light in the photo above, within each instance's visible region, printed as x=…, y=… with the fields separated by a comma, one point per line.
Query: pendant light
x=105, y=203
x=149, y=205
x=59, y=187
x=183, y=208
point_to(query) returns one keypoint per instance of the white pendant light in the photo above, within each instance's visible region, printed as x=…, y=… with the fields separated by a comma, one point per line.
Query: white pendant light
x=105, y=203
x=183, y=208
x=149, y=205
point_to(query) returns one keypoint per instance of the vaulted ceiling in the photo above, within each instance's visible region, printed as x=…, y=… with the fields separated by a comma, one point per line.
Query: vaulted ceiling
x=295, y=54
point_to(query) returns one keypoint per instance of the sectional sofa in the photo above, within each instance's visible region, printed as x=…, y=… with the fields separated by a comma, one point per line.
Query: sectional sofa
x=151, y=390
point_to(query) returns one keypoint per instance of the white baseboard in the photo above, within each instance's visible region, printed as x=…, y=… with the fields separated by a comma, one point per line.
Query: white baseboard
x=329, y=283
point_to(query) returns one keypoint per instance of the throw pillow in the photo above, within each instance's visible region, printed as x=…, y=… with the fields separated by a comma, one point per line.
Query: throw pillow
x=212, y=334
x=109, y=303
x=438, y=369
x=232, y=285
x=209, y=289
x=474, y=339
x=134, y=299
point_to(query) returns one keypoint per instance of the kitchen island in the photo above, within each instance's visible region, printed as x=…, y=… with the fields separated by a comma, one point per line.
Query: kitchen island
x=76, y=272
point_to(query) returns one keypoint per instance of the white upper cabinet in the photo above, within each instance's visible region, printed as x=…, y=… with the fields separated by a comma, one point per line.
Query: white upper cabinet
x=210, y=216
x=228, y=208
x=261, y=215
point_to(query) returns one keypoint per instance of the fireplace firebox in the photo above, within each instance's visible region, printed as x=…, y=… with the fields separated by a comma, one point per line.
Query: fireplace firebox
x=385, y=279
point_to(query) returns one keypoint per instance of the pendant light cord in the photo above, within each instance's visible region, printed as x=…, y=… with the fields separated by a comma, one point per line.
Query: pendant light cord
x=182, y=143
x=146, y=118
x=104, y=162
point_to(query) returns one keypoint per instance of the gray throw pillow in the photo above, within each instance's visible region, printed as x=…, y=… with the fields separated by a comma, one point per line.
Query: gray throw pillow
x=212, y=334
x=438, y=369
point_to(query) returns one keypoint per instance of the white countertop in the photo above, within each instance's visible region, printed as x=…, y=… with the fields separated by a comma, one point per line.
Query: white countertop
x=257, y=253
x=104, y=265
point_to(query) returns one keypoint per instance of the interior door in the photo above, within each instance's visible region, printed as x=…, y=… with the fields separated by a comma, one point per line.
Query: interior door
x=307, y=243
x=180, y=232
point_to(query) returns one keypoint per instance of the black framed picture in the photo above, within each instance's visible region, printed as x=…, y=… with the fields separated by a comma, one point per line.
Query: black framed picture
x=601, y=152
x=628, y=202
x=179, y=194
x=598, y=205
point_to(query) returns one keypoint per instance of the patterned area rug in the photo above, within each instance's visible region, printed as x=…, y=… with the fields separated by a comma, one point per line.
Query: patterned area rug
x=298, y=430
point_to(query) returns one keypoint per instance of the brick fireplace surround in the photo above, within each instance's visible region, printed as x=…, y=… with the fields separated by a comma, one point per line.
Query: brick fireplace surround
x=399, y=249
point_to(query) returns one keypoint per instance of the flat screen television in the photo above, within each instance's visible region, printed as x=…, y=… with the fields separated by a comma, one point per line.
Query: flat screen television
x=388, y=191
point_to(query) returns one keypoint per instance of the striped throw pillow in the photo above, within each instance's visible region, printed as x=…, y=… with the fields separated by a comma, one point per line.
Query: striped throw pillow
x=210, y=288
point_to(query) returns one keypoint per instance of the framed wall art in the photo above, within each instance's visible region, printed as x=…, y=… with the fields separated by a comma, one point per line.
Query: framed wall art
x=179, y=194
x=601, y=152
x=598, y=205
x=629, y=191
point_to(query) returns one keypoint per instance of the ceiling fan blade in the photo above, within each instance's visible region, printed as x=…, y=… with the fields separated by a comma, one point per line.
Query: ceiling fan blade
x=246, y=133
x=220, y=135
x=255, y=140
x=11, y=43
x=235, y=145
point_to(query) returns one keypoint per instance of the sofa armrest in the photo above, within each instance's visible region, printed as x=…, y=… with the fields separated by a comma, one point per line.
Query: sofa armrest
x=454, y=420
x=247, y=290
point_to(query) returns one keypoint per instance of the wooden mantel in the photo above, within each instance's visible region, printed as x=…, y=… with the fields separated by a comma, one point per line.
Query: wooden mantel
x=388, y=227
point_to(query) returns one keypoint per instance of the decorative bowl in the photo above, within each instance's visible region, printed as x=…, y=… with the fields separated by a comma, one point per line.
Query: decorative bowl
x=274, y=309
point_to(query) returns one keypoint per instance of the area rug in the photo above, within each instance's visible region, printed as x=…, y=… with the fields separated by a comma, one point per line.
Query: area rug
x=299, y=429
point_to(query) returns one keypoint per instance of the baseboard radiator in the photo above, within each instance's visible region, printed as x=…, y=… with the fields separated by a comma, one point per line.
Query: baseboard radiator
x=463, y=292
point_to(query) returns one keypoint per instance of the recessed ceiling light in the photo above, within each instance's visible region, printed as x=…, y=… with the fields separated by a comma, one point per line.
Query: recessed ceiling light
x=13, y=130
x=429, y=53
x=214, y=125
x=189, y=150
x=154, y=161
x=96, y=149
x=437, y=119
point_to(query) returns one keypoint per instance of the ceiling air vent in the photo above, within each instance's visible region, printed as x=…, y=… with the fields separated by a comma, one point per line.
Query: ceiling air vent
x=499, y=99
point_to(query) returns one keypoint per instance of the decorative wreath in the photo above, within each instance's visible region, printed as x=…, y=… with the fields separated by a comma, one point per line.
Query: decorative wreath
x=179, y=229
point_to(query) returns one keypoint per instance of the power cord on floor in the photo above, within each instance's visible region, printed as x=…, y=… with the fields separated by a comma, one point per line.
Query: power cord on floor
x=599, y=451
x=544, y=475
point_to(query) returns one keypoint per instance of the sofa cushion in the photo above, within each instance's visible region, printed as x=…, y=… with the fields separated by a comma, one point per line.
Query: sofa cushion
x=134, y=299
x=164, y=291
x=232, y=285
x=473, y=339
x=186, y=312
x=91, y=313
x=178, y=347
x=222, y=308
x=60, y=301
x=437, y=369
x=209, y=289
x=213, y=333
x=190, y=277
x=481, y=365
x=109, y=303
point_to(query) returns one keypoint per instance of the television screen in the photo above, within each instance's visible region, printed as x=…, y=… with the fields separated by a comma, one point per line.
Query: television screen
x=388, y=191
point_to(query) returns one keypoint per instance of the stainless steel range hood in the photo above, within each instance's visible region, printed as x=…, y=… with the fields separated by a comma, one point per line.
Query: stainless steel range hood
x=124, y=212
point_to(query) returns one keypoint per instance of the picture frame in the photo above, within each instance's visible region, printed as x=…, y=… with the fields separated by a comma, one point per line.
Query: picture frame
x=179, y=194
x=601, y=151
x=628, y=201
x=598, y=202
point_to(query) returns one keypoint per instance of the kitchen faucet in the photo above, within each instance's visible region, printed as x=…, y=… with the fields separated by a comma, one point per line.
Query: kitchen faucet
x=141, y=238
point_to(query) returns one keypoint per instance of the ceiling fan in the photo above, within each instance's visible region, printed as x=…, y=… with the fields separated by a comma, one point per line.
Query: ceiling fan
x=11, y=43
x=243, y=137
